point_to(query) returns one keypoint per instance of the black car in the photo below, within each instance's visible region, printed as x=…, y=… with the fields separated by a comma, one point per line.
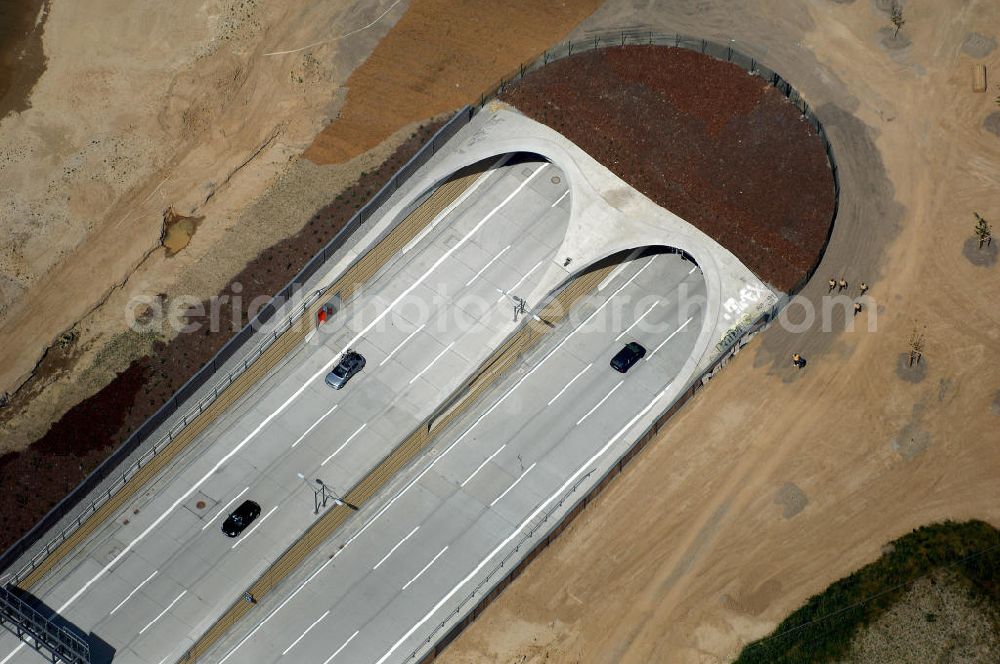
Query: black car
x=627, y=356
x=351, y=363
x=241, y=518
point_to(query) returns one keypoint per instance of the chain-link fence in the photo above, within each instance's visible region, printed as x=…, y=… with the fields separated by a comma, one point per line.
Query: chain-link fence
x=108, y=478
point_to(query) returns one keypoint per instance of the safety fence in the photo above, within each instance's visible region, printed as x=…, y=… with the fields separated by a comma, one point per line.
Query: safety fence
x=642, y=37
x=114, y=478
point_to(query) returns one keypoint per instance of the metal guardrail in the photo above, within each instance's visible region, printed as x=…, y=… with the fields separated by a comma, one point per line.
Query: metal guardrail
x=53, y=641
x=459, y=120
x=109, y=467
x=487, y=582
x=728, y=346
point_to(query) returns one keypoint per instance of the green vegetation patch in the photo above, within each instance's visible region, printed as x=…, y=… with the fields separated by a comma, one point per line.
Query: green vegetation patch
x=823, y=629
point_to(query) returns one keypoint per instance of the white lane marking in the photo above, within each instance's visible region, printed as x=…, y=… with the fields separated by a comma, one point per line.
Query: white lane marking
x=633, y=255
x=349, y=439
x=485, y=267
x=559, y=200
x=458, y=440
x=223, y=510
x=337, y=651
x=663, y=343
x=163, y=612
x=516, y=482
x=599, y=403
x=282, y=605
x=521, y=280
x=692, y=269
x=256, y=526
x=129, y=596
x=439, y=356
x=426, y=567
x=285, y=405
x=483, y=465
x=401, y=344
x=517, y=531
x=610, y=297
x=566, y=387
x=303, y=635
x=314, y=425
x=454, y=204
x=382, y=510
x=393, y=549
x=426, y=470
x=637, y=321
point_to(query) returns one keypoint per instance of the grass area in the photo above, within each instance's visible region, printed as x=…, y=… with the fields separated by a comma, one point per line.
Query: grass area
x=823, y=629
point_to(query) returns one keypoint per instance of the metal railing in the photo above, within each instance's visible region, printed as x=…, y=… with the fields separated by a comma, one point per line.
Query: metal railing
x=488, y=587
x=51, y=640
x=109, y=469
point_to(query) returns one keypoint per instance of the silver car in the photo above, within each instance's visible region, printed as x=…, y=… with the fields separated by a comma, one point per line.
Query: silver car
x=350, y=363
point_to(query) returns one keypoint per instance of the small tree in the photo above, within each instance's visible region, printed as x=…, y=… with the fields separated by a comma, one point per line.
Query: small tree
x=896, y=16
x=916, y=346
x=983, y=231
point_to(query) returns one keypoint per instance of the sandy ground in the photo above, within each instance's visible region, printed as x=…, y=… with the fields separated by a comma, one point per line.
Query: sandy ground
x=229, y=95
x=178, y=106
x=764, y=489
x=774, y=482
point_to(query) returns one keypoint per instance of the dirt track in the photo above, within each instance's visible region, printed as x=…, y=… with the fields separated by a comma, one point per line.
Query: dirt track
x=773, y=483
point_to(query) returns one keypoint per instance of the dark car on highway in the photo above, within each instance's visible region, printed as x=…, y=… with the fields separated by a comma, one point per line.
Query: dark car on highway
x=241, y=518
x=351, y=363
x=627, y=356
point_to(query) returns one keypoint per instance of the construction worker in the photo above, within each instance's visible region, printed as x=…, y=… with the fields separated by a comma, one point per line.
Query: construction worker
x=832, y=284
x=863, y=287
x=842, y=284
x=797, y=361
x=857, y=308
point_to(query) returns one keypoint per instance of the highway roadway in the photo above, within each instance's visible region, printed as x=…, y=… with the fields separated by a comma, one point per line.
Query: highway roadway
x=154, y=578
x=376, y=592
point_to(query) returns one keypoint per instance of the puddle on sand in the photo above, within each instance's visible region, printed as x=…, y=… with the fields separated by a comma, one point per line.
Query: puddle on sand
x=177, y=231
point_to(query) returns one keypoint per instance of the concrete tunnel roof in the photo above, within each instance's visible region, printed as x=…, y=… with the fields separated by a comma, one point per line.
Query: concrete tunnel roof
x=607, y=216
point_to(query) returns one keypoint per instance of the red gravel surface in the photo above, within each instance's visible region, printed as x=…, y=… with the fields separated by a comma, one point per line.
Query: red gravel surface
x=701, y=137
x=33, y=481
